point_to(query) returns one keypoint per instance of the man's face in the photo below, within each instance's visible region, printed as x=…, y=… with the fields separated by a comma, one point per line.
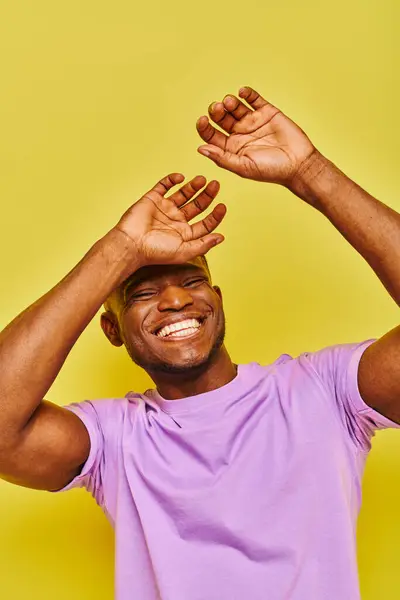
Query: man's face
x=170, y=317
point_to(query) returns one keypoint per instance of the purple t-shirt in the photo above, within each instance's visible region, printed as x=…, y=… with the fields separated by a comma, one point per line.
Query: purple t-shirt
x=250, y=491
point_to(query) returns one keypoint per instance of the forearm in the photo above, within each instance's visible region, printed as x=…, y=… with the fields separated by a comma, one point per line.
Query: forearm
x=370, y=226
x=34, y=346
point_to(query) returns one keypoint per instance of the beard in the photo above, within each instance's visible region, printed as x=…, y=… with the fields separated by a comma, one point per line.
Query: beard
x=191, y=367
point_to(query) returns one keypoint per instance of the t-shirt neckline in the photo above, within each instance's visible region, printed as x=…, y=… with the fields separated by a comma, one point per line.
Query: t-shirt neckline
x=190, y=403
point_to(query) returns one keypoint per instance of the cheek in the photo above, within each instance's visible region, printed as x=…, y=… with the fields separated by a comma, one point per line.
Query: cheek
x=132, y=322
x=216, y=303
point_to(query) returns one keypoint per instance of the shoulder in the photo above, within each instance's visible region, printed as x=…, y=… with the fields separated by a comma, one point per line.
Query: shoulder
x=108, y=413
x=327, y=362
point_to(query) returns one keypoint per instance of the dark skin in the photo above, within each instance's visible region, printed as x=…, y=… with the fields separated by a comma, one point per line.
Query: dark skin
x=43, y=445
x=157, y=296
x=254, y=139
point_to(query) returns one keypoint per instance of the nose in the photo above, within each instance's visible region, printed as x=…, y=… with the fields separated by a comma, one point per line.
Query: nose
x=174, y=297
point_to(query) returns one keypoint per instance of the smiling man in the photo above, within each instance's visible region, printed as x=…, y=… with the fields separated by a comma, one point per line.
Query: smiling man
x=190, y=313
x=224, y=481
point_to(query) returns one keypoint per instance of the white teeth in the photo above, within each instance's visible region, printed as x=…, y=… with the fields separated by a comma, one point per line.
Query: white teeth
x=180, y=329
x=183, y=333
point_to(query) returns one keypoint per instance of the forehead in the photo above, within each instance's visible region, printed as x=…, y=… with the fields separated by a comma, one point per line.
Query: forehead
x=156, y=272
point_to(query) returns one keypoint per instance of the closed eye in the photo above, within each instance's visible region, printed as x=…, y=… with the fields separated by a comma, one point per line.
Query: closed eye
x=194, y=281
x=141, y=296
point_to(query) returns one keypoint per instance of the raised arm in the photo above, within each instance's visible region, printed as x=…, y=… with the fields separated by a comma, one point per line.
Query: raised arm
x=41, y=444
x=259, y=142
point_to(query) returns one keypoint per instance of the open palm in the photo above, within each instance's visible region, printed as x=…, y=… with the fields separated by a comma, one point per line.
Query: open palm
x=160, y=228
x=257, y=140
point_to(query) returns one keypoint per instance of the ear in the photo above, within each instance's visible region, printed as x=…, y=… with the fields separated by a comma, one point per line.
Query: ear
x=217, y=290
x=109, y=325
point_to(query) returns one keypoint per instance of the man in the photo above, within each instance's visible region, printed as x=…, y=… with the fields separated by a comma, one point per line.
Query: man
x=224, y=482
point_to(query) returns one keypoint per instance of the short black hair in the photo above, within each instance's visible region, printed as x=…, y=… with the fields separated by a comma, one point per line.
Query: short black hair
x=203, y=258
x=207, y=266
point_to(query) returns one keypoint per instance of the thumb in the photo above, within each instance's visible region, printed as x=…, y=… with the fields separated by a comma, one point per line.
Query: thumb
x=202, y=245
x=221, y=157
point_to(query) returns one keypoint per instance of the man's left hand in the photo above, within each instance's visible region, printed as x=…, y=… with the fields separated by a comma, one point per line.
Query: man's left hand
x=257, y=140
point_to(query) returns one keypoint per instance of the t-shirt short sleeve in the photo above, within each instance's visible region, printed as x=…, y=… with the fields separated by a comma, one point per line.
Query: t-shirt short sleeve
x=337, y=367
x=92, y=473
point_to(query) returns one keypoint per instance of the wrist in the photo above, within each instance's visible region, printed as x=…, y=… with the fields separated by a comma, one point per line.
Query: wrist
x=119, y=254
x=312, y=175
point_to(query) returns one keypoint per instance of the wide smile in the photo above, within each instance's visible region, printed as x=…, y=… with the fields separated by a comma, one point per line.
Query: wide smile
x=181, y=331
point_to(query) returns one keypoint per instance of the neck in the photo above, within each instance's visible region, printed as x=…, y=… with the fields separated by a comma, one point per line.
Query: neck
x=197, y=380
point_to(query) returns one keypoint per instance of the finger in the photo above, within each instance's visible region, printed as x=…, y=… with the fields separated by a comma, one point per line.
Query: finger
x=236, y=108
x=221, y=117
x=209, y=134
x=256, y=119
x=209, y=223
x=201, y=246
x=224, y=159
x=252, y=97
x=201, y=202
x=165, y=184
x=186, y=192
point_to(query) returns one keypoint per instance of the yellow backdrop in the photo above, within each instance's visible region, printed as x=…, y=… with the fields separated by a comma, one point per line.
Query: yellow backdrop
x=99, y=99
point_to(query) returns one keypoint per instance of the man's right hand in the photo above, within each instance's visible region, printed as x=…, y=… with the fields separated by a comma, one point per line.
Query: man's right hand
x=159, y=228
x=33, y=347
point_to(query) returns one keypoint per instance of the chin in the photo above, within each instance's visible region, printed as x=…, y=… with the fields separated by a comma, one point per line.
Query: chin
x=183, y=365
x=184, y=362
